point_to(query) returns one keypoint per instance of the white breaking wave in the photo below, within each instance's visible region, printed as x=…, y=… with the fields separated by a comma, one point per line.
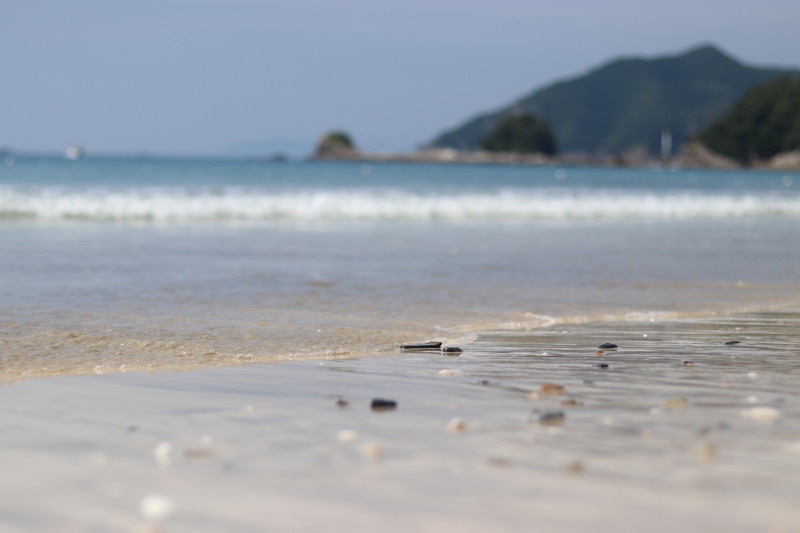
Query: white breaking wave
x=165, y=205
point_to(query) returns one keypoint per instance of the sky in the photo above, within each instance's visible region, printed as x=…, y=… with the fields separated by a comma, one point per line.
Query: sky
x=249, y=77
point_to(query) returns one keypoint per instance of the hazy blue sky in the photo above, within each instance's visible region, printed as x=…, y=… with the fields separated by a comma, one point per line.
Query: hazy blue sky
x=227, y=76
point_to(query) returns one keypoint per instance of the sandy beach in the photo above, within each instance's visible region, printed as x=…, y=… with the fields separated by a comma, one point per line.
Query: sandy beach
x=681, y=431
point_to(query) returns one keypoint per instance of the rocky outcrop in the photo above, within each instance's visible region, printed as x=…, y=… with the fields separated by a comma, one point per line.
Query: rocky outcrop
x=786, y=160
x=336, y=145
x=694, y=154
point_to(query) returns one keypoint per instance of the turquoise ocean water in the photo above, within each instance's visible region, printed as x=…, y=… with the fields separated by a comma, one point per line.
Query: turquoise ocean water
x=111, y=264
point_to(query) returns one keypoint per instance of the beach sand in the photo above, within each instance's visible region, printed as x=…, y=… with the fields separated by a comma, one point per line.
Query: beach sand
x=680, y=432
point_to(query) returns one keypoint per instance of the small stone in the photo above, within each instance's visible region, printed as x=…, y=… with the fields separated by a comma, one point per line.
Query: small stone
x=498, y=462
x=574, y=468
x=199, y=453
x=533, y=396
x=421, y=346
x=705, y=451
x=456, y=425
x=688, y=363
x=372, y=452
x=381, y=404
x=449, y=372
x=551, y=418
x=601, y=366
x=451, y=350
x=607, y=346
x=599, y=352
x=733, y=343
x=156, y=507
x=551, y=389
x=676, y=402
x=484, y=382
x=571, y=402
x=761, y=414
x=341, y=403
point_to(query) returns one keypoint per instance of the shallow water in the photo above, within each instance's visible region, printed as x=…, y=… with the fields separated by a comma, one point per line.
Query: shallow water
x=112, y=265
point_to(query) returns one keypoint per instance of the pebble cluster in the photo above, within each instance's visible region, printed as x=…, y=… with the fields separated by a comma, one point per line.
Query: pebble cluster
x=548, y=418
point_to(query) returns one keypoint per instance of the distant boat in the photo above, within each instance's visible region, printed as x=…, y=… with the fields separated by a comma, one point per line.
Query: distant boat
x=75, y=151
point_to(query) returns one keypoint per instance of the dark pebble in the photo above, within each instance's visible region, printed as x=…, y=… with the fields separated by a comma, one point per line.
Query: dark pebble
x=484, y=382
x=607, y=346
x=688, y=363
x=551, y=418
x=451, y=350
x=341, y=403
x=732, y=343
x=421, y=346
x=600, y=365
x=380, y=404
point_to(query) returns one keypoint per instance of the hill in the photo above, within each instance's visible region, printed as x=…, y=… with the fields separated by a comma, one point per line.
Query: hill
x=627, y=103
x=764, y=123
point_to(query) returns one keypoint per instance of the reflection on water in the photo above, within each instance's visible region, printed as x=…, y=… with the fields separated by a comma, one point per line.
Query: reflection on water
x=671, y=388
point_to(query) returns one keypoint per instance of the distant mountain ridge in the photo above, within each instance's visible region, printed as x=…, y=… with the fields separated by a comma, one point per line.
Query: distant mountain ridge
x=627, y=103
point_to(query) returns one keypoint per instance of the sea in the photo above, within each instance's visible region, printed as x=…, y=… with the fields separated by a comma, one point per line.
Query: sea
x=114, y=264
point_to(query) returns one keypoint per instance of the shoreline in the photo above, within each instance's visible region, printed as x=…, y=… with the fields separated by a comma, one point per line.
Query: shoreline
x=692, y=156
x=461, y=335
x=271, y=445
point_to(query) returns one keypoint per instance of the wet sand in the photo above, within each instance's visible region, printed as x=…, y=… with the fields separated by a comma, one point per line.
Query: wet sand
x=681, y=431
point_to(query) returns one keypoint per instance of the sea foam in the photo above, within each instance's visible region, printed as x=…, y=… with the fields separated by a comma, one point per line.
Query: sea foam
x=163, y=204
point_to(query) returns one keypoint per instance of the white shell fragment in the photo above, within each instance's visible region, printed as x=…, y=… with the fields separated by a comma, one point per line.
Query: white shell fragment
x=456, y=425
x=346, y=435
x=450, y=372
x=761, y=414
x=164, y=453
x=156, y=507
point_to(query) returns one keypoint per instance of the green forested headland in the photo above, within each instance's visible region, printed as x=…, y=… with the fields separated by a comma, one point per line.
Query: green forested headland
x=627, y=103
x=765, y=122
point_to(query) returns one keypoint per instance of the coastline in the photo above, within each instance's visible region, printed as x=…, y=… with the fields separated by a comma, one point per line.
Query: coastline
x=691, y=156
x=269, y=445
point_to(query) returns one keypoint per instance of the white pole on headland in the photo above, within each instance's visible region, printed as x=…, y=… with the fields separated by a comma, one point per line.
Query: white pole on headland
x=666, y=148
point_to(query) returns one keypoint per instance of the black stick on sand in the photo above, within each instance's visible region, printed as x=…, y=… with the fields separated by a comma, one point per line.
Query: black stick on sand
x=421, y=346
